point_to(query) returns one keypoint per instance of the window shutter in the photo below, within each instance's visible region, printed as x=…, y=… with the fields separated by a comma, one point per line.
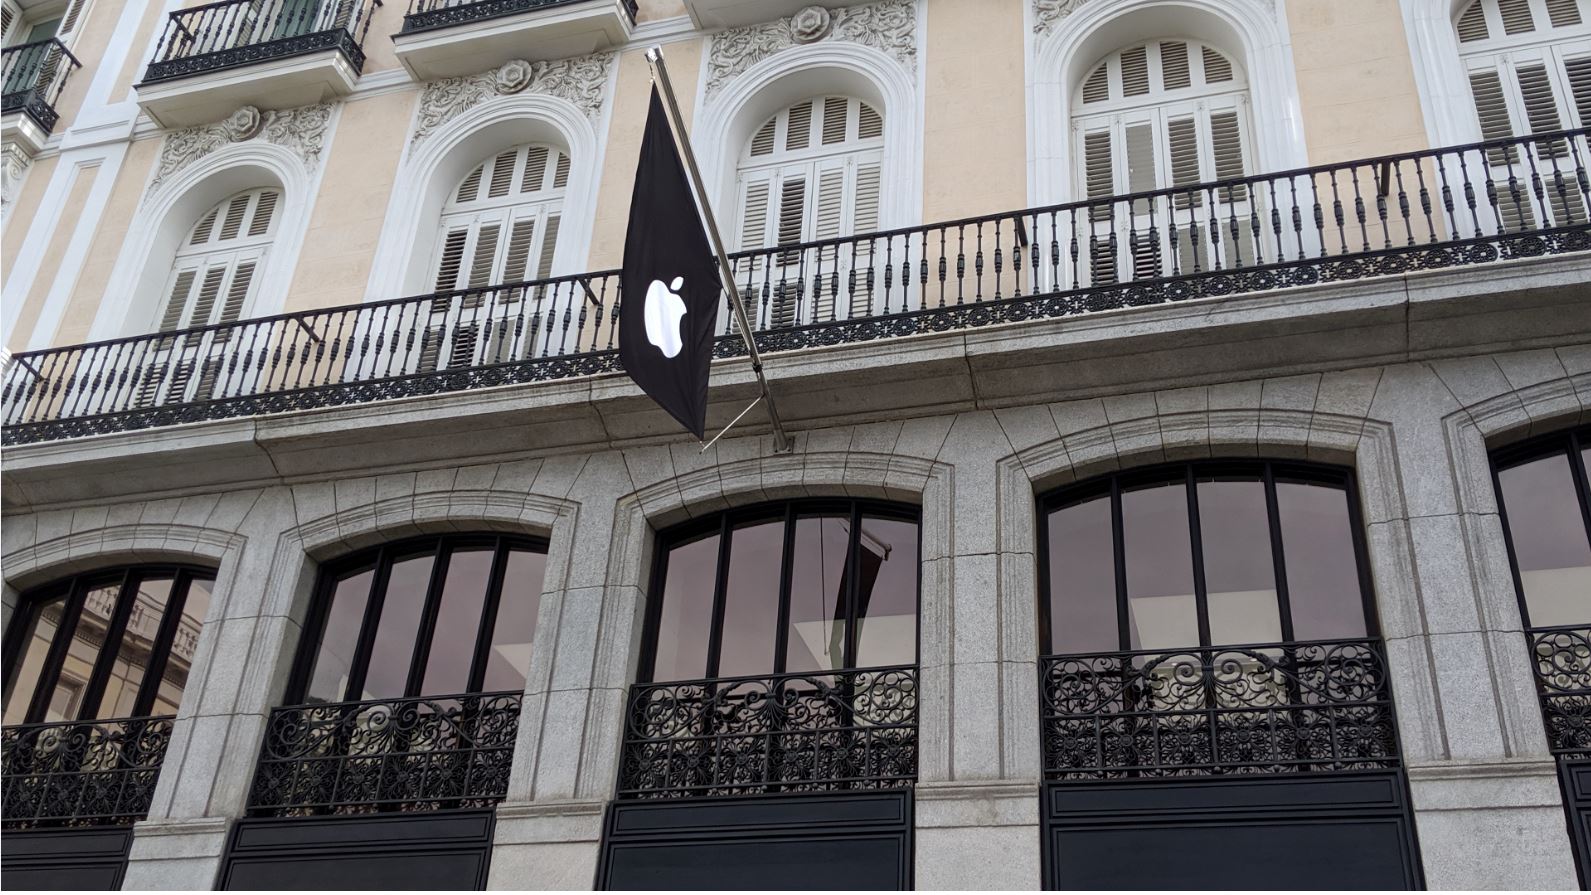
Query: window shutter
x=799, y=131
x=7, y=17
x=1579, y=75
x=1472, y=24
x=1541, y=107
x=209, y=291
x=1516, y=16
x=836, y=117
x=1563, y=13
x=263, y=212
x=535, y=170
x=447, y=270
x=762, y=141
x=1143, y=240
x=201, y=230
x=237, y=293
x=829, y=219
x=560, y=175
x=177, y=301
x=1226, y=141
x=176, y=389
x=1183, y=137
x=868, y=180
x=1217, y=68
x=549, y=243
x=74, y=9
x=502, y=175
x=1096, y=89
x=517, y=260
x=754, y=215
x=870, y=124
x=1135, y=71
x=470, y=188
x=482, y=263
x=792, y=212
x=1174, y=71
x=1099, y=183
x=1492, y=109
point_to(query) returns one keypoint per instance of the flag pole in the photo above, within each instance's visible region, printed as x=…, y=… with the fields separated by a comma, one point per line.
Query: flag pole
x=781, y=441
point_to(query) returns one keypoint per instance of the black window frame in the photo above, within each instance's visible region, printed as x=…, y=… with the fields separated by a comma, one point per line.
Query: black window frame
x=380, y=559
x=1573, y=440
x=1188, y=472
x=76, y=587
x=723, y=524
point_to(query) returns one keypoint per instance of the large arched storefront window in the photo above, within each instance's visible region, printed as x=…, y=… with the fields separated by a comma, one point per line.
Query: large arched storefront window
x=95, y=669
x=413, y=664
x=1165, y=114
x=1214, y=620
x=1544, y=493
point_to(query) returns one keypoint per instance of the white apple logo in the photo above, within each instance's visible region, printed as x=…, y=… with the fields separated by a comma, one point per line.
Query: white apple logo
x=663, y=312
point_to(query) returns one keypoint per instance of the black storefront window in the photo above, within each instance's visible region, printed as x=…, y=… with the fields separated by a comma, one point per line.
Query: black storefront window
x=1544, y=493
x=1207, y=554
x=434, y=616
x=113, y=643
x=790, y=588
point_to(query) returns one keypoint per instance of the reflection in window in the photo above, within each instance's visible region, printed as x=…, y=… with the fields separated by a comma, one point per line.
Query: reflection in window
x=432, y=617
x=809, y=586
x=1545, y=510
x=1208, y=554
x=108, y=644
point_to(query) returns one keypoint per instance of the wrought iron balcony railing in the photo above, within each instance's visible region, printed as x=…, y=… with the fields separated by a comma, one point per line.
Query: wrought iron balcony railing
x=1561, y=657
x=34, y=74
x=1267, y=709
x=413, y=754
x=81, y=773
x=1417, y=211
x=854, y=729
x=233, y=33
x=423, y=15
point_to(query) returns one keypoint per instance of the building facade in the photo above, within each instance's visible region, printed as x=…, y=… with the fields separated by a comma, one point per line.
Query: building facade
x=1190, y=405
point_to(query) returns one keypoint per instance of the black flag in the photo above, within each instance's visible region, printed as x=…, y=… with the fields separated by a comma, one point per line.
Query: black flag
x=669, y=284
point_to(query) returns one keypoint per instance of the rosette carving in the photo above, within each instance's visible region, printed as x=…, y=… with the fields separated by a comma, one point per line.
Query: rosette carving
x=889, y=26
x=580, y=80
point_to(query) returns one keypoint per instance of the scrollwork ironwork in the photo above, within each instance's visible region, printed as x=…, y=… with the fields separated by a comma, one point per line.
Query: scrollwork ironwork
x=81, y=773
x=1561, y=659
x=820, y=731
x=1283, y=708
x=426, y=15
x=413, y=754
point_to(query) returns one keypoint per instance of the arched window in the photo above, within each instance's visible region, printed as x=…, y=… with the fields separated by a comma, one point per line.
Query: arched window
x=811, y=172
x=1163, y=114
x=218, y=262
x=499, y=228
x=1545, y=490
x=1529, y=66
x=1228, y=605
x=437, y=616
x=114, y=643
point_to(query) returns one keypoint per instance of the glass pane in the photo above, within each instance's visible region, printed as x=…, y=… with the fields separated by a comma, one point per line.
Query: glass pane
x=1159, y=554
x=132, y=656
x=1550, y=540
x=1585, y=465
x=66, y=701
x=751, y=600
x=399, y=627
x=1082, y=579
x=41, y=630
x=508, y=663
x=180, y=660
x=328, y=680
x=687, y=616
x=1239, y=575
x=886, y=603
x=816, y=636
x=458, y=623
x=1322, y=566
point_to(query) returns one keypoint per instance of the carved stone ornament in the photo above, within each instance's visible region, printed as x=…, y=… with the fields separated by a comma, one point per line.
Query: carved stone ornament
x=13, y=164
x=1049, y=13
x=889, y=26
x=579, y=80
x=302, y=130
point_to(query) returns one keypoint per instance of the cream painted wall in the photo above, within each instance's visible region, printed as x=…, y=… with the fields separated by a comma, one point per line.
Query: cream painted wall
x=626, y=122
x=652, y=10
x=93, y=37
x=132, y=69
x=974, y=158
x=387, y=21
x=50, y=265
x=93, y=284
x=26, y=208
x=1355, y=79
x=334, y=264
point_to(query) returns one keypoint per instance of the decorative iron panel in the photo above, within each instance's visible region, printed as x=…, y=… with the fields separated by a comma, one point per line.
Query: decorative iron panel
x=415, y=754
x=1271, y=709
x=819, y=731
x=425, y=15
x=1437, y=209
x=1562, y=661
x=234, y=33
x=81, y=773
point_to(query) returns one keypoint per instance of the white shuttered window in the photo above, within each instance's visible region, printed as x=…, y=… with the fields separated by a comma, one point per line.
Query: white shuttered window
x=1164, y=114
x=1529, y=65
x=498, y=229
x=811, y=172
